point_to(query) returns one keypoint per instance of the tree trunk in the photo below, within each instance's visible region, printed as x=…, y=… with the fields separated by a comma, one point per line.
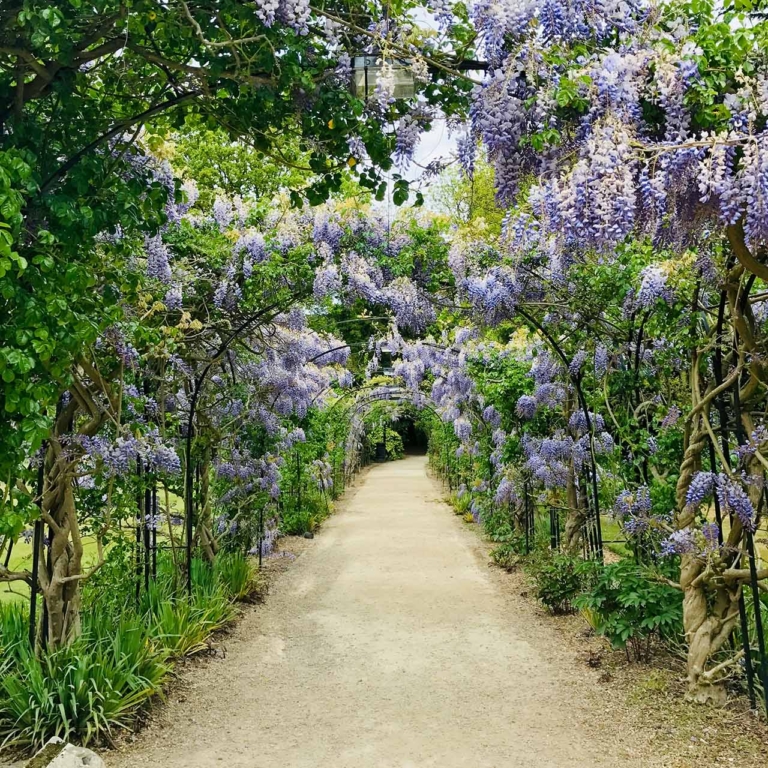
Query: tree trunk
x=708, y=625
x=60, y=578
x=577, y=516
x=207, y=541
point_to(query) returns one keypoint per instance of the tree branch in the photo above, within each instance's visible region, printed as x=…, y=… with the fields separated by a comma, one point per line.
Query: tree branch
x=739, y=247
x=114, y=131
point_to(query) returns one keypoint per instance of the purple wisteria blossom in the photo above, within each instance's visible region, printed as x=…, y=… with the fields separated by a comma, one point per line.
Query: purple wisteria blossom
x=158, y=264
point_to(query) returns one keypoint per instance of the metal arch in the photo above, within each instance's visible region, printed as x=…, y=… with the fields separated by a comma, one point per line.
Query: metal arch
x=199, y=381
x=363, y=403
x=393, y=396
x=395, y=389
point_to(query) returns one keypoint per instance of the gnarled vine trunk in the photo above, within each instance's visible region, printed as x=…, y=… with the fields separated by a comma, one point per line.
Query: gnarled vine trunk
x=709, y=621
x=61, y=563
x=577, y=515
x=204, y=524
x=711, y=604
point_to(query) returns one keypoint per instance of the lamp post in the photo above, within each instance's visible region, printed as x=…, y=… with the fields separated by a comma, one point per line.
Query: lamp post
x=386, y=359
x=367, y=71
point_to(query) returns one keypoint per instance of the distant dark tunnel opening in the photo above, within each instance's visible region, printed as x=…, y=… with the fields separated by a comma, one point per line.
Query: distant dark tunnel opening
x=414, y=437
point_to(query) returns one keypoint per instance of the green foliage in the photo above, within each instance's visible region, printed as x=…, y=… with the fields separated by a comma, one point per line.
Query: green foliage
x=559, y=579
x=110, y=588
x=303, y=517
x=89, y=690
x=85, y=691
x=469, y=201
x=305, y=506
x=509, y=554
x=498, y=524
x=181, y=626
x=630, y=605
x=461, y=502
x=237, y=575
x=393, y=439
x=217, y=164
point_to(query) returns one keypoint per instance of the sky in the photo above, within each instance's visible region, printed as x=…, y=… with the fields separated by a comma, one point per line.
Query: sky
x=435, y=144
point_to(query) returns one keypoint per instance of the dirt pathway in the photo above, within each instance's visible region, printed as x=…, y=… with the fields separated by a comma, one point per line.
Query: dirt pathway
x=389, y=643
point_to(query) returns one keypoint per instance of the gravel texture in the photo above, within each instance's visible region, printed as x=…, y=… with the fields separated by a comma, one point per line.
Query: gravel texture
x=390, y=642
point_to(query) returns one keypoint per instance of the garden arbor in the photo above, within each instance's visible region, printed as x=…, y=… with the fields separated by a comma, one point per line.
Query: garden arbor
x=159, y=345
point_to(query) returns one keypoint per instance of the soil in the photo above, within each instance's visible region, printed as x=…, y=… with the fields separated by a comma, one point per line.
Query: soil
x=390, y=642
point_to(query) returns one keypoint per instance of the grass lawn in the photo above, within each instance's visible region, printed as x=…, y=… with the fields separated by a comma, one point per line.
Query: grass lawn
x=614, y=539
x=21, y=560
x=21, y=557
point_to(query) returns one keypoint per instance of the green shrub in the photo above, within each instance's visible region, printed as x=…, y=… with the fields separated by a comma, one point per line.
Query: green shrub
x=297, y=520
x=461, y=502
x=498, y=525
x=559, y=578
x=113, y=586
x=14, y=627
x=630, y=605
x=237, y=576
x=183, y=627
x=509, y=554
x=394, y=440
x=88, y=690
x=83, y=692
x=205, y=582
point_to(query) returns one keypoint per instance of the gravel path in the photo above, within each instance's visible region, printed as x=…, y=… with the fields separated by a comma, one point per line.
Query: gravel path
x=388, y=643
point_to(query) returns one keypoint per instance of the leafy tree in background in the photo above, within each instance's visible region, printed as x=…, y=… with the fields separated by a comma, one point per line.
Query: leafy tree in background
x=468, y=200
x=216, y=162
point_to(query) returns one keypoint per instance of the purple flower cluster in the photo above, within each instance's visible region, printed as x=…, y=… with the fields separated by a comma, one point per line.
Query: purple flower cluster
x=526, y=407
x=463, y=428
x=633, y=504
x=491, y=416
x=407, y=134
x=322, y=471
x=410, y=305
x=223, y=212
x=117, y=456
x=494, y=294
x=576, y=364
x=673, y=414
x=653, y=286
x=158, y=264
x=327, y=281
x=682, y=542
x=578, y=422
x=327, y=230
x=174, y=297
x=601, y=360
x=506, y=493
x=734, y=500
x=701, y=486
x=549, y=459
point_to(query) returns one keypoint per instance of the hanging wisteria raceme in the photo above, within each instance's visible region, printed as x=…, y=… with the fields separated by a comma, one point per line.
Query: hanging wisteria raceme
x=118, y=456
x=493, y=294
x=581, y=125
x=158, y=265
